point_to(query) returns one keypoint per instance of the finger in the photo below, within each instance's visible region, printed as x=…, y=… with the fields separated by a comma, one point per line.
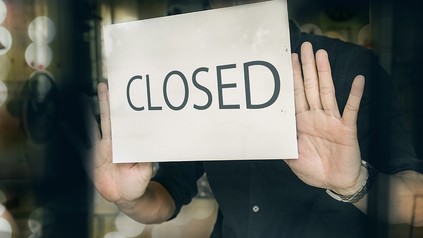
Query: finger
x=311, y=83
x=103, y=100
x=301, y=104
x=350, y=113
x=326, y=88
x=94, y=134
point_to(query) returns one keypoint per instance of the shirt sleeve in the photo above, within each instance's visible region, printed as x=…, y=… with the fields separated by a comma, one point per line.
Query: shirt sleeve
x=180, y=180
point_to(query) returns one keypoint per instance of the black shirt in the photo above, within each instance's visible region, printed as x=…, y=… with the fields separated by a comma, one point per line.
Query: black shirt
x=265, y=199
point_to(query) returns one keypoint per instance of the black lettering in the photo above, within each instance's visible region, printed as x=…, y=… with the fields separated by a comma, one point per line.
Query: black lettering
x=248, y=89
x=150, y=107
x=186, y=95
x=202, y=88
x=128, y=96
x=221, y=86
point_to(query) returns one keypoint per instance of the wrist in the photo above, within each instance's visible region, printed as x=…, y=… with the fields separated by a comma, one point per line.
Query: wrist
x=353, y=195
x=356, y=185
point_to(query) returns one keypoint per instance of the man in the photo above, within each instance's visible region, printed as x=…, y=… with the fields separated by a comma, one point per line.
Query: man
x=345, y=115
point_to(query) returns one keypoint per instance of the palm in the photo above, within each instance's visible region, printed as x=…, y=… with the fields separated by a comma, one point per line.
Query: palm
x=327, y=149
x=329, y=156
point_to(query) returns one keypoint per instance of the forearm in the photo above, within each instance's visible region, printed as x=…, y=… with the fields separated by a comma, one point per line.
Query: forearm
x=397, y=198
x=155, y=206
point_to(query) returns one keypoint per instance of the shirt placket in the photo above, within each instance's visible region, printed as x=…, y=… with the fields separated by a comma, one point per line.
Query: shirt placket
x=256, y=205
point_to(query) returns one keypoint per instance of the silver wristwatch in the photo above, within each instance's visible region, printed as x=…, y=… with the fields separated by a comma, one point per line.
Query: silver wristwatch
x=371, y=175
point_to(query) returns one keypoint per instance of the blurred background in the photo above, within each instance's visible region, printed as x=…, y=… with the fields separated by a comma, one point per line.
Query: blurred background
x=51, y=52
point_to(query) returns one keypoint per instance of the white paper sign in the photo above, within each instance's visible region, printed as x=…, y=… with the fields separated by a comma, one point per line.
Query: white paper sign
x=210, y=85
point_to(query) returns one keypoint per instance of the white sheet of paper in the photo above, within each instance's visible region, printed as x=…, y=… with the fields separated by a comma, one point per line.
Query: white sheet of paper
x=209, y=85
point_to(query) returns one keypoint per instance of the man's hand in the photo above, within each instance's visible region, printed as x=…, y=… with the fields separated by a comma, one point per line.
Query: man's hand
x=119, y=183
x=329, y=154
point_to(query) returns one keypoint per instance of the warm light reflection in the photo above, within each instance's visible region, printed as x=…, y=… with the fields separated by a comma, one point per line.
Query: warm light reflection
x=125, y=13
x=3, y=98
x=5, y=40
x=38, y=56
x=41, y=30
x=3, y=11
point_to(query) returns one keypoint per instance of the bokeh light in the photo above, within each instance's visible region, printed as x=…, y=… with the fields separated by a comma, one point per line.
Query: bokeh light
x=203, y=208
x=37, y=218
x=5, y=40
x=184, y=216
x=38, y=56
x=3, y=98
x=335, y=35
x=364, y=36
x=41, y=30
x=5, y=228
x=2, y=209
x=166, y=230
x=114, y=234
x=311, y=29
x=3, y=11
x=127, y=226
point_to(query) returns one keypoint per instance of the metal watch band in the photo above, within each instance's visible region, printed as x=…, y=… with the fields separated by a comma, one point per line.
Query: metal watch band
x=371, y=175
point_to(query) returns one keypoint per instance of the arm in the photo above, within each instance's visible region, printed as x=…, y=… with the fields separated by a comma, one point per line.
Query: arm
x=329, y=153
x=401, y=198
x=126, y=185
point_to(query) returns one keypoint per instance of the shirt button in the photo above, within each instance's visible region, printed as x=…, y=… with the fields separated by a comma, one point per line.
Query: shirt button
x=256, y=209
